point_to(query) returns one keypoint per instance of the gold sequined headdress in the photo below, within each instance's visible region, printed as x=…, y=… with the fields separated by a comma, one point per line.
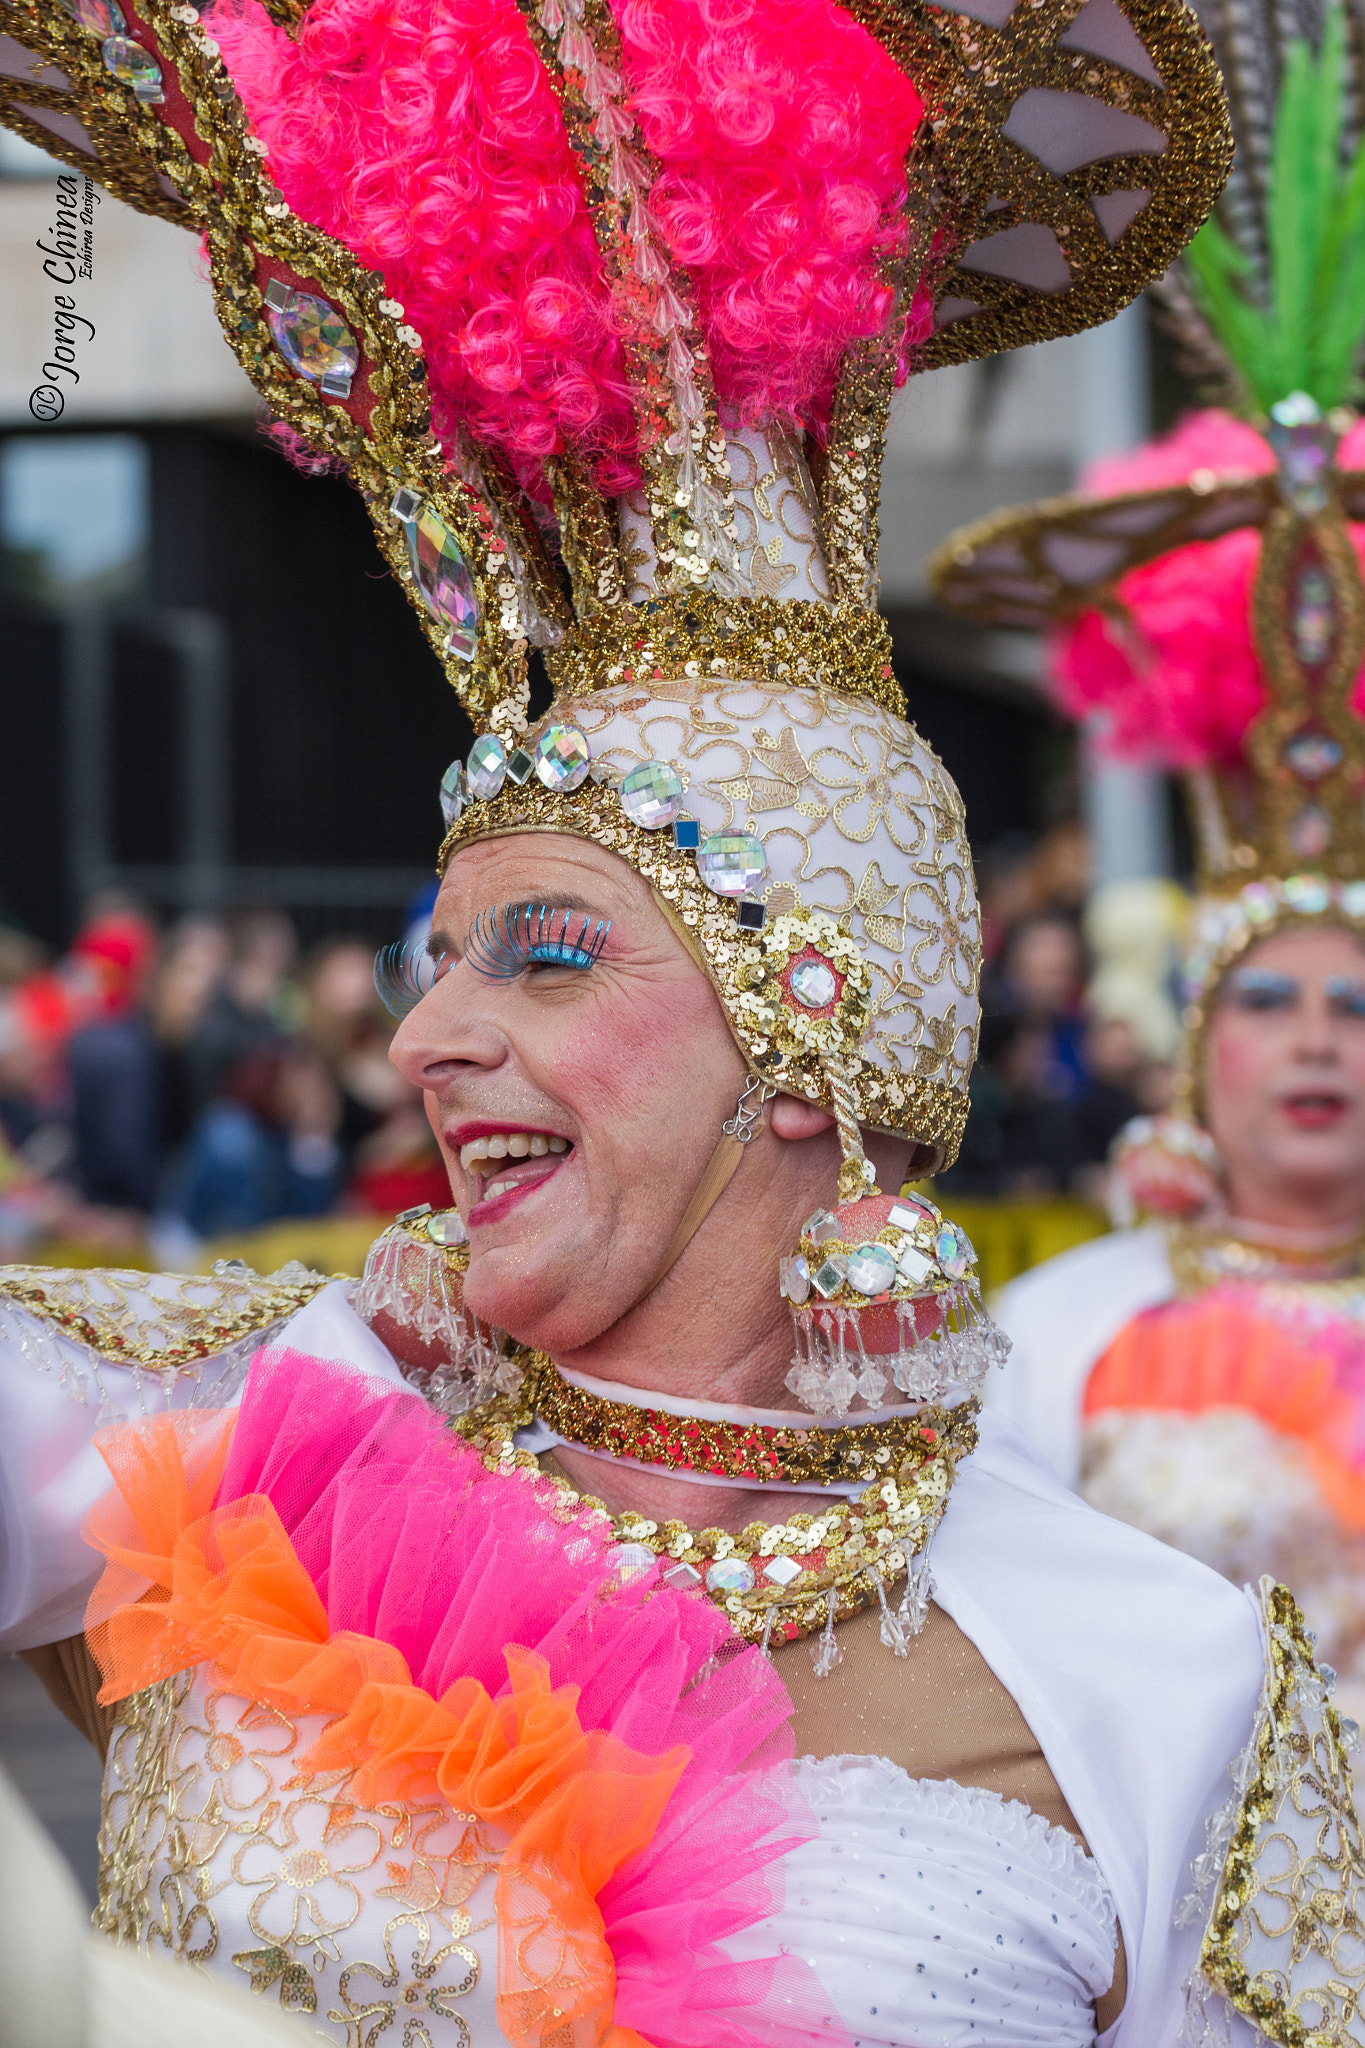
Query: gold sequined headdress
x=634, y=414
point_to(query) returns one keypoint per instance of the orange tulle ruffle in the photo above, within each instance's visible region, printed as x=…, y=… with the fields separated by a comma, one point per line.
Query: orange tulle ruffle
x=1220, y=1352
x=227, y=1588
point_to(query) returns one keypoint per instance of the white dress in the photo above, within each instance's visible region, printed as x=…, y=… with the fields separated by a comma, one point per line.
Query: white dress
x=930, y=1913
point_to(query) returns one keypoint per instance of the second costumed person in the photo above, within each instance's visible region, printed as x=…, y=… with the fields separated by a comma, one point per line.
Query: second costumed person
x=1202, y=1374
x=451, y=1638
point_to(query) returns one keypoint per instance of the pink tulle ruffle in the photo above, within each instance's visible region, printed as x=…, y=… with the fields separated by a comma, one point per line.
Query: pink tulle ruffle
x=409, y=1539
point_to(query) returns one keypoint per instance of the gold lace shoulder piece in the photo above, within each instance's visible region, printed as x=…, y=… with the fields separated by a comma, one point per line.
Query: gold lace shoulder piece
x=1285, y=1941
x=162, y=1322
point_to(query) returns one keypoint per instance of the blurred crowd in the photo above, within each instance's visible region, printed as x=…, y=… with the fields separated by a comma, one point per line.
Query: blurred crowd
x=1079, y=1019
x=163, y=1087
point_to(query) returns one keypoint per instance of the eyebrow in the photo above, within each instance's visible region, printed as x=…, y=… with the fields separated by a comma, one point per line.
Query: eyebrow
x=441, y=941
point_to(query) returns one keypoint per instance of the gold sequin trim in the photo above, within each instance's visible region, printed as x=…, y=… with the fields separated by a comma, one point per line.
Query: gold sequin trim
x=756, y=639
x=799, y=1456
x=802, y=1573
x=120, y=1316
x=1285, y=1942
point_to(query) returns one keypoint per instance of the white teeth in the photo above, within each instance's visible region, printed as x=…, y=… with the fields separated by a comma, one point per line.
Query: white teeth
x=497, y=1187
x=509, y=1145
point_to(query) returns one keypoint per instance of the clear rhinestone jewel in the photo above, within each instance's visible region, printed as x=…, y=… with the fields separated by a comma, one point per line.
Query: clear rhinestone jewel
x=312, y=337
x=411, y=1215
x=795, y=1274
x=563, y=758
x=487, y=766
x=630, y=1560
x=454, y=792
x=447, y=1227
x=134, y=66
x=729, y=1575
x=822, y=1228
x=954, y=1251
x=731, y=862
x=913, y=1266
x=813, y=984
x=1311, y=832
x=829, y=1278
x=440, y=572
x=871, y=1270
x=1312, y=755
x=782, y=1570
x=521, y=766
x=651, y=795
x=682, y=1577
x=910, y=1211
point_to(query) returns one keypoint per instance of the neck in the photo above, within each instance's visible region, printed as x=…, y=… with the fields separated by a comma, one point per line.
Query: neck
x=1309, y=1217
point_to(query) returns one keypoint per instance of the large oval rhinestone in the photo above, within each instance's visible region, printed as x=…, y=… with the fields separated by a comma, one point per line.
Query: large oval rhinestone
x=487, y=766
x=871, y=1270
x=447, y=1227
x=563, y=758
x=729, y=1575
x=731, y=862
x=454, y=792
x=441, y=573
x=813, y=984
x=651, y=795
x=312, y=337
x=134, y=66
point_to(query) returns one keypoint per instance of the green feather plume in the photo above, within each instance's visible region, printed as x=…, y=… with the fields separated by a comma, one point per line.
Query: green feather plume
x=1308, y=337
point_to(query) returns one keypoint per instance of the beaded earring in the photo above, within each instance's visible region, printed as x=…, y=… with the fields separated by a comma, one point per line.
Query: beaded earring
x=414, y=1273
x=883, y=1291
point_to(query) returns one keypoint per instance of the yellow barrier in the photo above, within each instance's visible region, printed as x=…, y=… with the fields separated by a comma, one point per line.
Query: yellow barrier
x=1012, y=1236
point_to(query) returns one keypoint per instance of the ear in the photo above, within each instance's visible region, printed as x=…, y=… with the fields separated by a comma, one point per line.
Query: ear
x=790, y=1118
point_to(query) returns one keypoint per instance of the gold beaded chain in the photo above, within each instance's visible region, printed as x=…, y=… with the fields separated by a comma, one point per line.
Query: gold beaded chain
x=772, y=1580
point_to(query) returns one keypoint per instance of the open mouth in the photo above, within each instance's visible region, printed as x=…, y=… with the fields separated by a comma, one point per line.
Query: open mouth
x=1315, y=1109
x=506, y=1163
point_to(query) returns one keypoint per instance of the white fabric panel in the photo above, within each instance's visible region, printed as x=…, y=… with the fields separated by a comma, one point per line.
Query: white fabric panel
x=1060, y=1318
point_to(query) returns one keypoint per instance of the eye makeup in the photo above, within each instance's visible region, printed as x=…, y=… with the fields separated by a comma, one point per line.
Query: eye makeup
x=404, y=973
x=1345, y=994
x=1261, y=988
x=502, y=944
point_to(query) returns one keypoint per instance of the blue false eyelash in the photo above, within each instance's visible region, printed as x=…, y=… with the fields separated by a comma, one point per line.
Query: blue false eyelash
x=404, y=973
x=501, y=944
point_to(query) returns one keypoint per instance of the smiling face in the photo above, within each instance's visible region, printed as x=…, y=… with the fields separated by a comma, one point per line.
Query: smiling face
x=576, y=1106
x=1285, y=1080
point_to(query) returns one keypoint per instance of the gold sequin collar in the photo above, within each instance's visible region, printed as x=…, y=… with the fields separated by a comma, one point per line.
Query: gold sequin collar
x=777, y=1579
x=732, y=1447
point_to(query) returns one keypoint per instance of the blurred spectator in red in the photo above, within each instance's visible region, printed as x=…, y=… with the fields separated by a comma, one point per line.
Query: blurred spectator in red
x=113, y=1068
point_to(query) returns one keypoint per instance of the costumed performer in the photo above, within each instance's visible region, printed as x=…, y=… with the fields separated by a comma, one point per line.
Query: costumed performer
x=1200, y=1375
x=456, y=1632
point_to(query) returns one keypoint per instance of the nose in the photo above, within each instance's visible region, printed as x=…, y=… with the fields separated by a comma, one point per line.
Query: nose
x=449, y=1033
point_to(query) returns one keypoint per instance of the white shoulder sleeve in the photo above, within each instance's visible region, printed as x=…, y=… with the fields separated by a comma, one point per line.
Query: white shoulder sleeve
x=78, y=1350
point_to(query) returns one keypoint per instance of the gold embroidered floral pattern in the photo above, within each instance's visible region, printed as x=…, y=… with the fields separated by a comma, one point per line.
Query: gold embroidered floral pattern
x=214, y=1851
x=1285, y=1942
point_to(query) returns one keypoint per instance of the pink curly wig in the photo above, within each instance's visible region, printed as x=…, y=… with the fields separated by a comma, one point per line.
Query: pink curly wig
x=1182, y=685
x=426, y=135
